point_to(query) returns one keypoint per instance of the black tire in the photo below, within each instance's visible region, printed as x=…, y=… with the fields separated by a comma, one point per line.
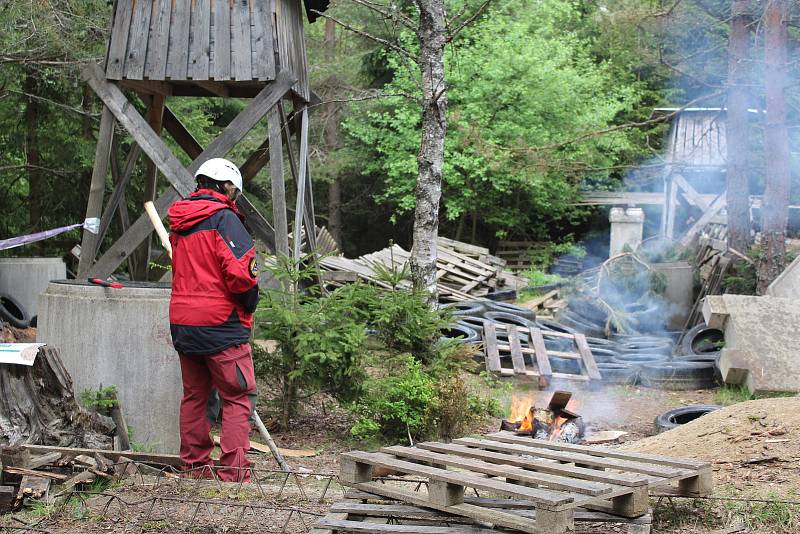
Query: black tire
x=473, y=322
x=587, y=310
x=677, y=376
x=513, y=309
x=679, y=416
x=34, y=321
x=553, y=326
x=603, y=355
x=645, y=348
x=578, y=324
x=503, y=294
x=461, y=333
x=600, y=342
x=467, y=307
x=702, y=340
x=565, y=365
x=508, y=318
x=618, y=373
x=640, y=358
x=12, y=312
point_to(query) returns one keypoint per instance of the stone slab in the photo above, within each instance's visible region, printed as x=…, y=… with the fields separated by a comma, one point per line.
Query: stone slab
x=679, y=292
x=119, y=337
x=787, y=285
x=762, y=339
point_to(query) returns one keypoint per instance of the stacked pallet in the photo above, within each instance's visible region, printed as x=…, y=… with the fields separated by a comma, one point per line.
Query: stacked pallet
x=460, y=276
x=525, y=484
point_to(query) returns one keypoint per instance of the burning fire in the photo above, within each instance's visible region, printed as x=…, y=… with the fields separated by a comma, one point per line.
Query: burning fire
x=524, y=416
x=522, y=410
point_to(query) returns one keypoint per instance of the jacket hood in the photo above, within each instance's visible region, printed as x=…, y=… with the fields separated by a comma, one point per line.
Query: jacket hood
x=200, y=205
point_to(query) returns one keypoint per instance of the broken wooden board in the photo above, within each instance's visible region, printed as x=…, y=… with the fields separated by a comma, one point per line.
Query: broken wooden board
x=370, y=513
x=532, y=360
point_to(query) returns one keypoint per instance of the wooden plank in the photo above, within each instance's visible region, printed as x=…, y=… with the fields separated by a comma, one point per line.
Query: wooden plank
x=33, y=487
x=32, y=473
x=155, y=65
x=97, y=188
x=490, y=343
x=146, y=457
x=542, y=360
x=241, y=53
x=341, y=525
x=553, y=482
x=299, y=209
x=478, y=513
x=690, y=193
x=263, y=59
x=503, y=444
x=118, y=45
x=182, y=179
x=137, y=41
x=587, y=357
x=681, y=463
x=542, y=466
x=516, y=355
x=712, y=210
x=279, y=220
x=178, y=53
x=547, y=498
x=118, y=193
x=221, y=55
x=200, y=40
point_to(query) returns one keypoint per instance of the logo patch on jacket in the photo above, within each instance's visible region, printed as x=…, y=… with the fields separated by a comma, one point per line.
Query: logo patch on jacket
x=253, y=267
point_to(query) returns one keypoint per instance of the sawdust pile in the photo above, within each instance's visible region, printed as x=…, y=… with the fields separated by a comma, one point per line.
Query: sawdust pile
x=9, y=334
x=744, y=432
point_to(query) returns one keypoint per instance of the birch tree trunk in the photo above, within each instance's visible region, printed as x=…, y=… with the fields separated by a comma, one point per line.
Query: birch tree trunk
x=775, y=209
x=738, y=191
x=333, y=139
x=432, y=38
x=32, y=153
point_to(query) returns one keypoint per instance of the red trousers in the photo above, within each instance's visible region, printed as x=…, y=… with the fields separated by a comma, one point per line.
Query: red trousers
x=231, y=373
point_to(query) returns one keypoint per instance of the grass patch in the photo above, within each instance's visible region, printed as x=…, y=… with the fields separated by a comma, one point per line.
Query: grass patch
x=727, y=395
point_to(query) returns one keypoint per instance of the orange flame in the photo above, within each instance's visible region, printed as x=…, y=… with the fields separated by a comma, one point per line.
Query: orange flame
x=521, y=411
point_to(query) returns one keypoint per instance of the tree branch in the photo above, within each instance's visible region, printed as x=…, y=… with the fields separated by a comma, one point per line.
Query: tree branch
x=384, y=42
x=391, y=15
x=469, y=20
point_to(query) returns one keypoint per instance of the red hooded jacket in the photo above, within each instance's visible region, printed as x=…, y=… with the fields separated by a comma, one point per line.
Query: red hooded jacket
x=214, y=275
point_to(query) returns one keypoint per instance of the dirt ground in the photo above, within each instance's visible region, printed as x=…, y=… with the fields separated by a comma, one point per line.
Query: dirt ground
x=737, y=440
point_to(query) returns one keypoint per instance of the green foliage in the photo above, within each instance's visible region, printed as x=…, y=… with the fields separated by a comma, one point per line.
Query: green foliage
x=321, y=339
x=101, y=399
x=518, y=80
x=728, y=394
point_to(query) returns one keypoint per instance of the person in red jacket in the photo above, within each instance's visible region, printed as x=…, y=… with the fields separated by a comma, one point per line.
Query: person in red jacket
x=214, y=295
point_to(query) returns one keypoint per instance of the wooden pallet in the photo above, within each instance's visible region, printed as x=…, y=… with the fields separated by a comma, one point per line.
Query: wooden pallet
x=538, y=356
x=367, y=512
x=552, y=478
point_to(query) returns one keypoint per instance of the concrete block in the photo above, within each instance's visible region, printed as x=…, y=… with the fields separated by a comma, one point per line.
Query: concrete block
x=787, y=285
x=761, y=341
x=627, y=227
x=680, y=291
x=444, y=493
x=26, y=278
x=119, y=337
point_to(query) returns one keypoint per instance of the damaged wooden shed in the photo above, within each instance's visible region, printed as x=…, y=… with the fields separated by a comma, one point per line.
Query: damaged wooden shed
x=159, y=50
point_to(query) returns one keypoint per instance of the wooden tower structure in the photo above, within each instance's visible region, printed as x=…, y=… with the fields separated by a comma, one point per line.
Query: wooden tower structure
x=159, y=50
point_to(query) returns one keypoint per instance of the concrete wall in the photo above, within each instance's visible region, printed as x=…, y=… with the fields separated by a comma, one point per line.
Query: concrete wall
x=119, y=337
x=26, y=278
x=680, y=291
x=627, y=227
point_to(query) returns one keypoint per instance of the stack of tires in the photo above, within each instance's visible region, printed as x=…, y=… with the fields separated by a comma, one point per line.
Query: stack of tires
x=651, y=360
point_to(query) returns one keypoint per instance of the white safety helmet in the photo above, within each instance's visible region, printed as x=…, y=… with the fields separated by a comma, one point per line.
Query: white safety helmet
x=220, y=170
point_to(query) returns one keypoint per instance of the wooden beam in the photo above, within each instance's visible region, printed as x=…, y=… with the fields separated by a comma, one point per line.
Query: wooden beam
x=147, y=87
x=278, y=186
x=670, y=207
x=155, y=118
x=255, y=220
x=690, y=193
x=97, y=189
x=712, y=210
x=121, y=180
x=213, y=88
x=164, y=459
x=181, y=178
x=299, y=209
